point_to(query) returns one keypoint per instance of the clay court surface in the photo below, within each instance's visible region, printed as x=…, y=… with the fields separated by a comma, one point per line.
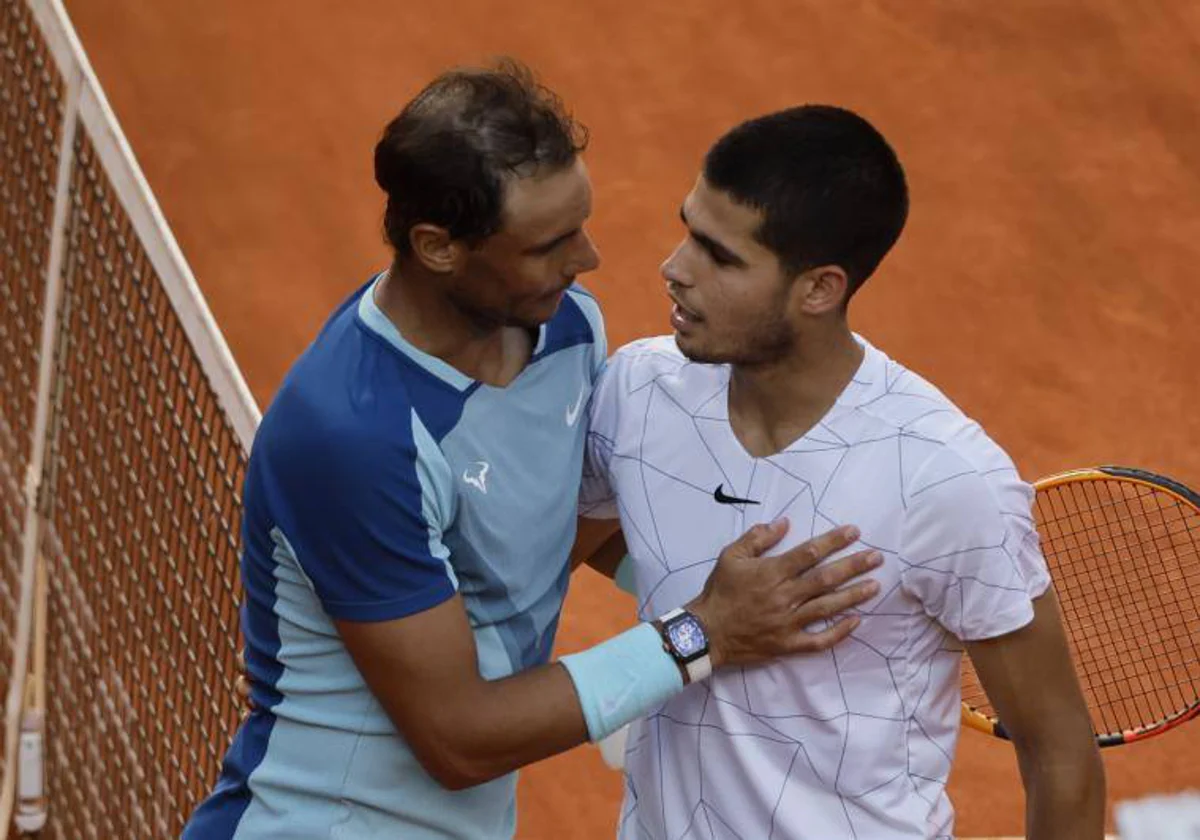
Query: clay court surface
x=1047, y=280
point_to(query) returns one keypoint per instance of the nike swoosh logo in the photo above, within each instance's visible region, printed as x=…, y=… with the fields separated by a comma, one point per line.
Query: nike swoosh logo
x=573, y=410
x=611, y=705
x=721, y=498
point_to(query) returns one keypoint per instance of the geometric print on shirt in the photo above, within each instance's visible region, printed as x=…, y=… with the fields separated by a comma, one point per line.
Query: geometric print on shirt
x=855, y=742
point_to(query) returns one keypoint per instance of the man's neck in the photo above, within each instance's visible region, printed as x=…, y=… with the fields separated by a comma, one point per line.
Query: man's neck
x=771, y=406
x=432, y=322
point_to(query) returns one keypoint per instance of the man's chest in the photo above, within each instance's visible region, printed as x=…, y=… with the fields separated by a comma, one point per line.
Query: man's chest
x=509, y=477
x=684, y=494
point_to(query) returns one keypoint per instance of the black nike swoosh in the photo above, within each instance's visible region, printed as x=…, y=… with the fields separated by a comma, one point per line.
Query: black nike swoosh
x=721, y=498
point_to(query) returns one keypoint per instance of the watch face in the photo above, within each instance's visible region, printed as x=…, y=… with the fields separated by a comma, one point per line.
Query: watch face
x=687, y=636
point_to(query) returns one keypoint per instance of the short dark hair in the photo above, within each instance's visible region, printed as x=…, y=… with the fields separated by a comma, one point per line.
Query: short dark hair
x=831, y=190
x=444, y=158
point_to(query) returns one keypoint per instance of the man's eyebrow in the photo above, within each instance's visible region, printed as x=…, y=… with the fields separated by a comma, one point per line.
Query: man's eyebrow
x=714, y=248
x=549, y=245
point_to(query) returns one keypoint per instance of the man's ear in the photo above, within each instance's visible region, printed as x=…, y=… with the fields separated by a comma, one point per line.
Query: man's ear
x=435, y=249
x=823, y=289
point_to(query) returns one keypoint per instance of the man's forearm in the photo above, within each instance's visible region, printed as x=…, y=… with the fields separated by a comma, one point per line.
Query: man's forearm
x=465, y=730
x=487, y=729
x=504, y=725
x=1065, y=800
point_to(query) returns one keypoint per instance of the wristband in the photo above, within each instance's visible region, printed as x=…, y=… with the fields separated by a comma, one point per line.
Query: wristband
x=622, y=679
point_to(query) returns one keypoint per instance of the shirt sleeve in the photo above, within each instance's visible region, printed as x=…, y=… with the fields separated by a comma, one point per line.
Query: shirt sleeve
x=970, y=547
x=361, y=512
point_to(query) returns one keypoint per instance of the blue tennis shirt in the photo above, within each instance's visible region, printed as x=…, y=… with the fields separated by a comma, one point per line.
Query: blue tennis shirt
x=382, y=481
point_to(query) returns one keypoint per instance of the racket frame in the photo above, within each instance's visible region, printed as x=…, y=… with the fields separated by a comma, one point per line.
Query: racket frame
x=972, y=718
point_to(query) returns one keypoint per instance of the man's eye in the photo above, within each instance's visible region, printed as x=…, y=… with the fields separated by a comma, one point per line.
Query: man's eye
x=551, y=247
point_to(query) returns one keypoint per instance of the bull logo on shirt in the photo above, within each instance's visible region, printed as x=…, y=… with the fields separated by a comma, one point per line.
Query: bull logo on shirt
x=476, y=475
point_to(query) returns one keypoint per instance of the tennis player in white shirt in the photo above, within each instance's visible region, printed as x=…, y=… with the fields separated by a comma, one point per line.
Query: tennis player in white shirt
x=765, y=405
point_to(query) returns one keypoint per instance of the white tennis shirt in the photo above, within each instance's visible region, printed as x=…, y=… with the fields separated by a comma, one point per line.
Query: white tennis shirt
x=855, y=742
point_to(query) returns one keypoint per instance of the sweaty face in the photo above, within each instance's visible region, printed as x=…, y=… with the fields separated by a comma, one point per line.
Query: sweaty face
x=730, y=292
x=517, y=276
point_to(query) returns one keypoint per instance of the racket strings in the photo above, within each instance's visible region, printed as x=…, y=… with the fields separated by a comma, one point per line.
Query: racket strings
x=1126, y=560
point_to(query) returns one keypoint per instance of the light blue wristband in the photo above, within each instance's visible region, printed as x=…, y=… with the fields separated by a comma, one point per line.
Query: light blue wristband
x=624, y=577
x=622, y=679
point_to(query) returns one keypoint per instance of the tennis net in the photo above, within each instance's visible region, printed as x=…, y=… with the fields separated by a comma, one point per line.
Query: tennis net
x=124, y=428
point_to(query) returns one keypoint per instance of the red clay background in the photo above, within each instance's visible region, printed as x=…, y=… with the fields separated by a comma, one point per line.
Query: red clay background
x=1046, y=280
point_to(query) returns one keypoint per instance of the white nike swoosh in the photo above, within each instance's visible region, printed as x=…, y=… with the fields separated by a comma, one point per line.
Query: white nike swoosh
x=611, y=705
x=573, y=410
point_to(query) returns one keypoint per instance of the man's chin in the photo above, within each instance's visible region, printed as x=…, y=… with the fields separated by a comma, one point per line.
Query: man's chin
x=533, y=319
x=693, y=351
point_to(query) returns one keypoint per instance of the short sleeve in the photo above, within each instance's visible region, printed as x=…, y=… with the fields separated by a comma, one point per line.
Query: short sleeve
x=596, y=497
x=970, y=547
x=361, y=512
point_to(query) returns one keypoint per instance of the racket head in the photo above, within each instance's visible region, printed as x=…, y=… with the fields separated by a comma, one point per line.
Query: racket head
x=1123, y=548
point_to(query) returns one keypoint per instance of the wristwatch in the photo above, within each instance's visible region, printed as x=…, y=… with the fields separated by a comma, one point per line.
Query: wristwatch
x=684, y=638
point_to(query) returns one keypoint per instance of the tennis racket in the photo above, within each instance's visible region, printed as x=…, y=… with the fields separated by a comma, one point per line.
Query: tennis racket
x=1123, y=547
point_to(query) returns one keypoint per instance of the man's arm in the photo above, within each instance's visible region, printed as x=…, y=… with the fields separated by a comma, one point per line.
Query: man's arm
x=600, y=544
x=1029, y=677
x=973, y=560
x=463, y=729
x=466, y=730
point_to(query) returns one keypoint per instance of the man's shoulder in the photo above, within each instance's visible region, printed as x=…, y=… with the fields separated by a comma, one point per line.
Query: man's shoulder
x=647, y=358
x=343, y=398
x=661, y=346
x=897, y=396
x=578, y=320
x=966, y=470
x=888, y=396
x=654, y=367
x=938, y=439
